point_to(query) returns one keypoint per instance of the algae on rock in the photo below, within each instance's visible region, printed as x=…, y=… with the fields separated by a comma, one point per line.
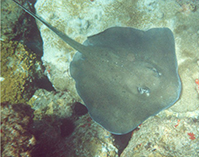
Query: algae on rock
x=18, y=67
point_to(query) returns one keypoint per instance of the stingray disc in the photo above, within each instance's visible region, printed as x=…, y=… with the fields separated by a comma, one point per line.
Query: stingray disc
x=130, y=76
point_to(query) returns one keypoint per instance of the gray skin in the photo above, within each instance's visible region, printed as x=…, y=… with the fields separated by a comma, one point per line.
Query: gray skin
x=124, y=75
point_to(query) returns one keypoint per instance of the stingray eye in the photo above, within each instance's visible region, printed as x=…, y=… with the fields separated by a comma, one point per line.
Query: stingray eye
x=156, y=72
x=144, y=90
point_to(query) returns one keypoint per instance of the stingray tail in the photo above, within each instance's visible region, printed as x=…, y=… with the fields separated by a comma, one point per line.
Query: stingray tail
x=79, y=47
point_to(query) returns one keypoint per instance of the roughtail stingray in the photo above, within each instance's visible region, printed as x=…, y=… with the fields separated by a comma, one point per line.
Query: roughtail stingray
x=124, y=75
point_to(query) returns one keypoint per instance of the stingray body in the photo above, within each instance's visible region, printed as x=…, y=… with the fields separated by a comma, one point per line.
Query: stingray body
x=124, y=75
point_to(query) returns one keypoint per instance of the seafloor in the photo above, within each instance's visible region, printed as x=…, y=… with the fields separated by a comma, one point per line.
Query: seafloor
x=35, y=71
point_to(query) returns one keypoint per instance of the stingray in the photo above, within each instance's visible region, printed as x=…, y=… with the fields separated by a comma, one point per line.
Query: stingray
x=124, y=75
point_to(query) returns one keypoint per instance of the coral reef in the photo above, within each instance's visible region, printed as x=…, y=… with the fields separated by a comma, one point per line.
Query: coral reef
x=189, y=72
x=87, y=139
x=64, y=130
x=16, y=25
x=16, y=138
x=12, y=19
x=165, y=135
x=171, y=132
x=47, y=103
x=19, y=66
x=79, y=19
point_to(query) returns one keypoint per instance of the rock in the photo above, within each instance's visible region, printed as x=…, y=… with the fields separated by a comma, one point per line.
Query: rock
x=189, y=100
x=51, y=104
x=88, y=139
x=60, y=131
x=16, y=137
x=165, y=135
x=12, y=19
x=19, y=67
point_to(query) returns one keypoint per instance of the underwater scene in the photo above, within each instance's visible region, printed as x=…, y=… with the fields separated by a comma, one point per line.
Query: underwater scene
x=99, y=78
